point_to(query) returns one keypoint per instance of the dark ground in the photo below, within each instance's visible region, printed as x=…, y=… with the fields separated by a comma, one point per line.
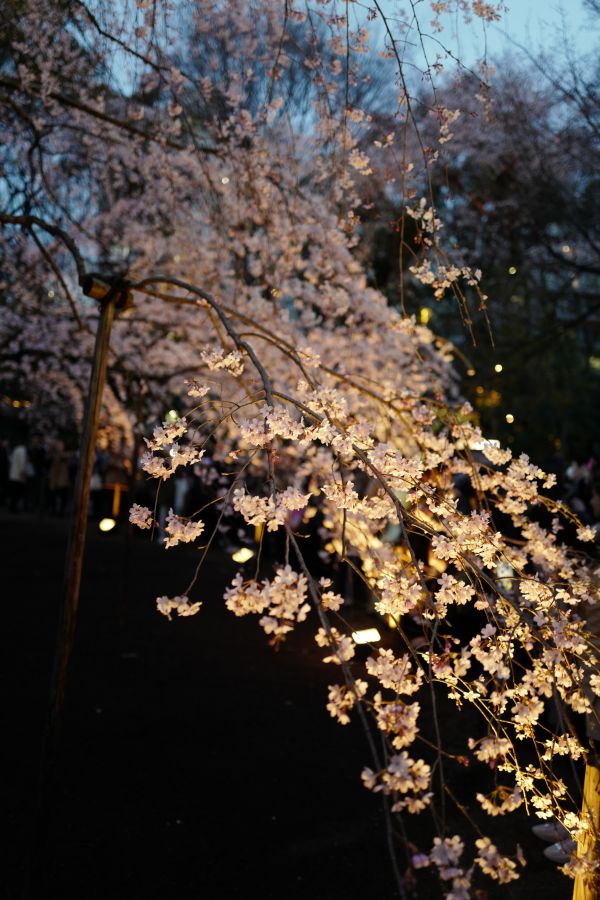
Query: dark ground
x=196, y=762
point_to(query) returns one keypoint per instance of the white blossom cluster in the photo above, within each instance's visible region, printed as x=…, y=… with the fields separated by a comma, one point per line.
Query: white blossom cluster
x=167, y=433
x=140, y=516
x=283, y=600
x=270, y=511
x=404, y=778
x=163, y=467
x=342, y=698
x=217, y=359
x=180, y=605
x=179, y=530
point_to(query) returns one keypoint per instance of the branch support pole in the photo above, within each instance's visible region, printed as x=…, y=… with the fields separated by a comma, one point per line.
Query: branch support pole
x=112, y=295
x=588, y=888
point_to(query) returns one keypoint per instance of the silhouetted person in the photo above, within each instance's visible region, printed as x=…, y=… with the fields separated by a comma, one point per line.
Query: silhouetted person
x=4, y=462
x=17, y=476
x=58, y=478
x=36, y=483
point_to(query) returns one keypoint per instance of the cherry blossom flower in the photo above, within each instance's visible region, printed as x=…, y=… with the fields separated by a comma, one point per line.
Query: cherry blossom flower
x=181, y=605
x=140, y=516
x=180, y=530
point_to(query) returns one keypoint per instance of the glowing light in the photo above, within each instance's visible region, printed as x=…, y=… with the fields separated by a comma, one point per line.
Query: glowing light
x=224, y=180
x=242, y=555
x=594, y=362
x=366, y=636
x=106, y=524
x=498, y=367
x=505, y=573
x=177, y=258
x=566, y=249
x=438, y=565
x=390, y=621
x=16, y=403
x=425, y=315
x=492, y=398
x=51, y=294
x=471, y=373
x=479, y=389
x=512, y=270
x=510, y=418
x=172, y=415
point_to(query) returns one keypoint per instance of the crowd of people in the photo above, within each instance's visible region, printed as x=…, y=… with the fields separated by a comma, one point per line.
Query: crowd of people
x=37, y=475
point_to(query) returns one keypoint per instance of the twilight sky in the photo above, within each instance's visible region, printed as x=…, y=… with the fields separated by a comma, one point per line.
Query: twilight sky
x=539, y=25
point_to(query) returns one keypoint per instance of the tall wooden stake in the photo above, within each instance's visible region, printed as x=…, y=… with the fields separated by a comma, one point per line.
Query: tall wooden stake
x=112, y=295
x=589, y=888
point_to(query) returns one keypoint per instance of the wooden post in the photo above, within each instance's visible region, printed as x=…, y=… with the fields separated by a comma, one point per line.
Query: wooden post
x=112, y=295
x=588, y=888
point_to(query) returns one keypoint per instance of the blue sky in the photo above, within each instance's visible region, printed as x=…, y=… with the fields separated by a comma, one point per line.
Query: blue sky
x=540, y=25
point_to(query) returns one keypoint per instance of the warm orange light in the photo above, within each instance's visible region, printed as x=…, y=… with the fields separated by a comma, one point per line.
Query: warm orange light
x=492, y=398
x=438, y=565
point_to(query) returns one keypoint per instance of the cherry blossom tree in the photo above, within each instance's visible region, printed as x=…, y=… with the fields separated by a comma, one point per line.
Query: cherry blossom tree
x=226, y=187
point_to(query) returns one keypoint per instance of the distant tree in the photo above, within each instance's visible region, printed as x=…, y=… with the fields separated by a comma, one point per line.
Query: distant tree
x=517, y=188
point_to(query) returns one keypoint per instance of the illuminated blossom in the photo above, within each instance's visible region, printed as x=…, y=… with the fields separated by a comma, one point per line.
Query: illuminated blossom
x=140, y=516
x=181, y=605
